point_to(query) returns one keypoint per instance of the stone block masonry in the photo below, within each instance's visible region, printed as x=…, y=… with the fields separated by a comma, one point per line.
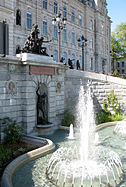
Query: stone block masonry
x=101, y=85
x=18, y=90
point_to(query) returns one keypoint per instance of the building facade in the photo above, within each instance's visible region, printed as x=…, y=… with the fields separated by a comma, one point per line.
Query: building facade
x=87, y=18
x=121, y=66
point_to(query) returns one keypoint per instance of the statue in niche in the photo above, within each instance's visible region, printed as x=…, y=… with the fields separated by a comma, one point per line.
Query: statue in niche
x=33, y=43
x=18, y=17
x=42, y=106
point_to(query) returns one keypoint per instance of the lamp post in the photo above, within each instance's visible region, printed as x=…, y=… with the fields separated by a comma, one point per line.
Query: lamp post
x=82, y=43
x=113, y=54
x=60, y=23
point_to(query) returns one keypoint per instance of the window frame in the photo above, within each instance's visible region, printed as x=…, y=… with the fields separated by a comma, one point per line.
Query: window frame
x=73, y=37
x=44, y=4
x=55, y=7
x=73, y=16
x=64, y=34
x=29, y=20
x=44, y=30
x=65, y=12
x=80, y=20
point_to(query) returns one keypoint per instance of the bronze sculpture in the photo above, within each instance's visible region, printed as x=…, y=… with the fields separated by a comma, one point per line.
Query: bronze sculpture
x=33, y=43
x=42, y=107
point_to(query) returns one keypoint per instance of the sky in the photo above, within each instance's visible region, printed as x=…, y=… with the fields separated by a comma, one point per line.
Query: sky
x=117, y=12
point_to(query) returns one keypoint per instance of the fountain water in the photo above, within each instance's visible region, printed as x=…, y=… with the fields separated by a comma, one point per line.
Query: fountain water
x=71, y=132
x=88, y=165
x=120, y=128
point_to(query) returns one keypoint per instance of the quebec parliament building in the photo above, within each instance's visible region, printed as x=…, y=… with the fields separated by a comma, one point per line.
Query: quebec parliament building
x=87, y=18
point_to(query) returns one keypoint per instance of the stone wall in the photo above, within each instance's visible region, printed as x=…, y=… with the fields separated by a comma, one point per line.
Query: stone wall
x=19, y=78
x=100, y=85
x=18, y=85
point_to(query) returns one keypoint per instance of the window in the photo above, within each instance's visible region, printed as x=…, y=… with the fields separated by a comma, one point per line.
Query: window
x=91, y=24
x=64, y=58
x=80, y=61
x=73, y=59
x=123, y=71
x=64, y=12
x=18, y=17
x=55, y=31
x=44, y=27
x=45, y=4
x=80, y=20
x=73, y=16
x=55, y=7
x=118, y=65
x=55, y=55
x=73, y=37
x=64, y=34
x=80, y=37
x=123, y=64
x=92, y=43
x=91, y=63
x=29, y=20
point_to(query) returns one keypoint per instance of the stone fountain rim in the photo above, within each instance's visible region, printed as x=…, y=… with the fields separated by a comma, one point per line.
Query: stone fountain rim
x=10, y=169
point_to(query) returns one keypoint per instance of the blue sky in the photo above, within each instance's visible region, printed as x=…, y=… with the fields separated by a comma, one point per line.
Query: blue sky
x=117, y=11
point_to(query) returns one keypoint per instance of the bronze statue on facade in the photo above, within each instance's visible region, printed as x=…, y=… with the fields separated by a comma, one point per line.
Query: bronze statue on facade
x=33, y=43
x=42, y=106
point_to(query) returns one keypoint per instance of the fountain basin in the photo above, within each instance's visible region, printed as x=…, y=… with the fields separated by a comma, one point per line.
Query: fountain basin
x=42, y=162
x=10, y=169
x=45, y=129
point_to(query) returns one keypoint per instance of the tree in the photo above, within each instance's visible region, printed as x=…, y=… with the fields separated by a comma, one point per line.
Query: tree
x=118, y=41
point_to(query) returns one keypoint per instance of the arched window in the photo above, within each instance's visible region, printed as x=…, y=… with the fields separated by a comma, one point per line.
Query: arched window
x=18, y=17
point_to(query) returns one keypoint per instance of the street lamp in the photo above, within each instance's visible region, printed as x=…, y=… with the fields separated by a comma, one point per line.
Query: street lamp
x=82, y=43
x=60, y=23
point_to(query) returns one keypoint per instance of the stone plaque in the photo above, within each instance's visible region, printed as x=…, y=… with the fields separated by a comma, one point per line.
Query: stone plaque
x=42, y=70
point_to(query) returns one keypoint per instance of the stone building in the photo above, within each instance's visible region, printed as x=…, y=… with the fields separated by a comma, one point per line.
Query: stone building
x=87, y=18
x=121, y=66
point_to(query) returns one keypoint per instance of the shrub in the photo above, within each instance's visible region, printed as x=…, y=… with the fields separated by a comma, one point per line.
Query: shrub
x=111, y=103
x=13, y=132
x=68, y=118
x=5, y=154
x=111, y=109
x=116, y=73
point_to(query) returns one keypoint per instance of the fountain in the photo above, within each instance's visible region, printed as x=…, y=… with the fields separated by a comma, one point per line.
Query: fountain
x=89, y=164
x=120, y=129
x=71, y=132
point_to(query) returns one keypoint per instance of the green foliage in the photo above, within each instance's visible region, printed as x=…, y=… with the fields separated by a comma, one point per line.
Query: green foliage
x=13, y=132
x=111, y=103
x=103, y=117
x=118, y=40
x=111, y=109
x=68, y=118
x=5, y=154
x=116, y=73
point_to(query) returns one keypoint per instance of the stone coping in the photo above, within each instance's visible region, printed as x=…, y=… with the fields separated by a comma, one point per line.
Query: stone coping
x=95, y=76
x=9, y=170
x=45, y=126
x=108, y=124
x=98, y=127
